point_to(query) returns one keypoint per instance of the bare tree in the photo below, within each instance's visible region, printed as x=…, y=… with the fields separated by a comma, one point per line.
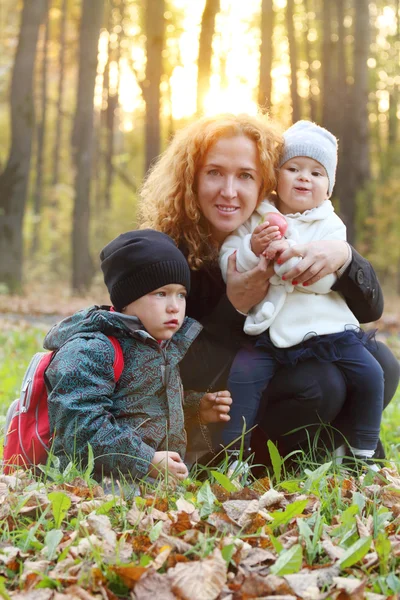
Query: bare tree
x=211, y=10
x=41, y=135
x=14, y=178
x=293, y=60
x=328, y=65
x=154, y=28
x=82, y=138
x=312, y=97
x=266, y=51
x=360, y=90
x=60, y=93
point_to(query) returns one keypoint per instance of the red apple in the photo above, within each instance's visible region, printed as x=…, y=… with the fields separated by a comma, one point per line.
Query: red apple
x=277, y=220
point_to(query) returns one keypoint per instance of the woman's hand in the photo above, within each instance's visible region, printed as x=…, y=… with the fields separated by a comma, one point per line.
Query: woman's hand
x=245, y=290
x=319, y=258
x=168, y=461
x=215, y=406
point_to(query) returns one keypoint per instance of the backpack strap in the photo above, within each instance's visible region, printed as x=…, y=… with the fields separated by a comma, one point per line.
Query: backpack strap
x=118, y=364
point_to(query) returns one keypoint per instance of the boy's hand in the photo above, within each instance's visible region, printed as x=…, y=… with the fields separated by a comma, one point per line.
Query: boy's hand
x=215, y=406
x=275, y=249
x=262, y=236
x=170, y=461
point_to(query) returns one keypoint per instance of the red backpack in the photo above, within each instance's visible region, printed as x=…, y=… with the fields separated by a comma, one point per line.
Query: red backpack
x=27, y=430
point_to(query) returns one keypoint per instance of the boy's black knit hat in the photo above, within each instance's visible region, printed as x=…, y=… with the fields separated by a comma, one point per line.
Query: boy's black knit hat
x=138, y=262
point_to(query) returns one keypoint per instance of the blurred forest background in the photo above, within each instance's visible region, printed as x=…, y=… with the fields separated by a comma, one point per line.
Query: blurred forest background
x=92, y=90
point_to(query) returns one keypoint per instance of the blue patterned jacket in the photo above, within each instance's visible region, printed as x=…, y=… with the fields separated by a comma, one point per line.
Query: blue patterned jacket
x=127, y=421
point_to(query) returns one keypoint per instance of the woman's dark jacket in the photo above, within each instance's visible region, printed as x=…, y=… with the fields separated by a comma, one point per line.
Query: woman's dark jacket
x=223, y=325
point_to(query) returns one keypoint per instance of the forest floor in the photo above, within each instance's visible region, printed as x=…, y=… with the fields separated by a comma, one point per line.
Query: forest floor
x=301, y=530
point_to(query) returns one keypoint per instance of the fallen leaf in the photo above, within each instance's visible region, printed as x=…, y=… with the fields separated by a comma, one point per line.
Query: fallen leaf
x=334, y=552
x=41, y=594
x=185, y=506
x=152, y=586
x=100, y=525
x=255, y=586
x=272, y=498
x=306, y=582
x=129, y=574
x=34, y=566
x=256, y=556
x=201, y=580
x=352, y=586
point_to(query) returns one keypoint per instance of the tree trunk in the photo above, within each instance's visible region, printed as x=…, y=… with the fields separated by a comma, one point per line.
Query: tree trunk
x=14, y=179
x=82, y=138
x=312, y=97
x=328, y=66
x=112, y=107
x=360, y=93
x=60, y=93
x=154, y=28
x=41, y=134
x=293, y=61
x=266, y=50
x=211, y=9
x=394, y=92
x=342, y=92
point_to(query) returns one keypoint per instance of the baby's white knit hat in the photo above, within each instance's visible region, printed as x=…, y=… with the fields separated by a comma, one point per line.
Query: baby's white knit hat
x=305, y=138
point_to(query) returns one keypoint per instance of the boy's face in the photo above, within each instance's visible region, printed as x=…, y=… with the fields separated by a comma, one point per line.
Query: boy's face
x=162, y=311
x=302, y=184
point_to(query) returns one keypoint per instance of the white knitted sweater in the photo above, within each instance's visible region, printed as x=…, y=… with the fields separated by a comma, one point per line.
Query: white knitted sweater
x=292, y=313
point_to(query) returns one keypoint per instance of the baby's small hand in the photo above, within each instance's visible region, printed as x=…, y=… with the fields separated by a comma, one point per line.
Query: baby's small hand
x=275, y=249
x=215, y=406
x=262, y=236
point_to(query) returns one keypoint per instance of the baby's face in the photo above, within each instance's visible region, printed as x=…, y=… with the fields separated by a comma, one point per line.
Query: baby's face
x=162, y=311
x=302, y=184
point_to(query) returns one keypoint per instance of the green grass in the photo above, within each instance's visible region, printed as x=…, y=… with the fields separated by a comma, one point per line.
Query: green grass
x=17, y=346
x=340, y=504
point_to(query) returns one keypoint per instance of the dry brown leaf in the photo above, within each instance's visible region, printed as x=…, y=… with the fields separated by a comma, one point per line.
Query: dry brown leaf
x=158, y=515
x=129, y=574
x=34, y=566
x=35, y=500
x=256, y=556
x=41, y=594
x=89, y=506
x=366, y=528
x=256, y=585
x=161, y=557
x=134, y=515
x=272, y=498
x=391, y=475
x=352, y=586
x=66, y=571
x=152, y=586
x=334, y=552
x=101, y=526
x=390, y=497
x=222, y=523
x=76, y=591
x=236, y=508
x=202, y=580
x=185, y=506
x=15, y=482
x=176, y=543
x=307, y=584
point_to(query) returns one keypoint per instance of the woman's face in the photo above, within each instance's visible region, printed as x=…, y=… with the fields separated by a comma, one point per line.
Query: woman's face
x=228, y=184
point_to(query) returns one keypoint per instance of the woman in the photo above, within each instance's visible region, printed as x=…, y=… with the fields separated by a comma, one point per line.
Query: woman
x=209, y=180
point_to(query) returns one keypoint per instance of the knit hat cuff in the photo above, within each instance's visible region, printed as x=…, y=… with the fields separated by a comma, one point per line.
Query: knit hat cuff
x=147, y=280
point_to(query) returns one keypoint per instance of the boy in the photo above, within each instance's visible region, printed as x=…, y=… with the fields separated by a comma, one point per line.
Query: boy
x=135, y=426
